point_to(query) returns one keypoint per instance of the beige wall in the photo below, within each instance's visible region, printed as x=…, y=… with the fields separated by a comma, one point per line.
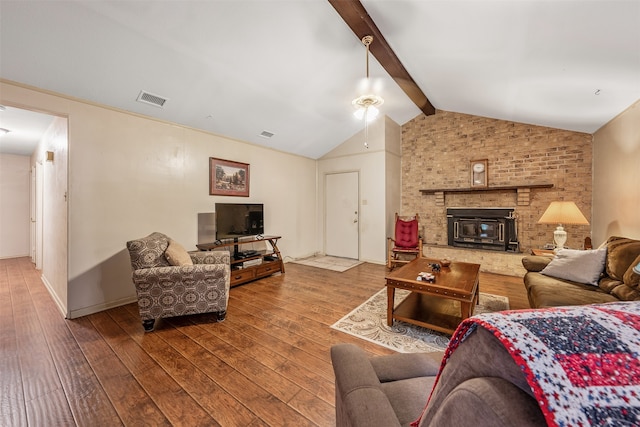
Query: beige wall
x=393, y=175
x=377, y=165
x=436, y=153
x=616, y=177
x=130, y=175
x=14, y=205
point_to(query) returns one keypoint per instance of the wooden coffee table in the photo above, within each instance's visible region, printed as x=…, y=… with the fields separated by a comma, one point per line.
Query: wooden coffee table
x=440, y=305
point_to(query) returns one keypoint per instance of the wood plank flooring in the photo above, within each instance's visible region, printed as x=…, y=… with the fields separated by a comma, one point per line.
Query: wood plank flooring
x=267, y=364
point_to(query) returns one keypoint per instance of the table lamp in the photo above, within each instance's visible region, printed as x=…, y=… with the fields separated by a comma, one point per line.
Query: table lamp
x=562, y=213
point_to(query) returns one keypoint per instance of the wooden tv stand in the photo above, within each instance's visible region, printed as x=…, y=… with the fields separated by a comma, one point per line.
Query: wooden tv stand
x=271, y=260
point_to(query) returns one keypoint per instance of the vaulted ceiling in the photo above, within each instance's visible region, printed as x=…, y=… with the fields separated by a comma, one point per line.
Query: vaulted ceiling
x=291, y=67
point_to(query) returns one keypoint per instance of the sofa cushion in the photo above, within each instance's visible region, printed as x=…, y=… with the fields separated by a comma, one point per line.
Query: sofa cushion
x=545, y=291
x=407, y=234
x=176, y=254
x=535, y=263
x=621, y=253
x=408, y=397
x=631, y=278
x=148, y=252
x=577, y=266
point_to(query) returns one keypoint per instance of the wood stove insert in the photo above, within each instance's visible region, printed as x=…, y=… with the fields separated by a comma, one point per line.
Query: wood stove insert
x=483, y=228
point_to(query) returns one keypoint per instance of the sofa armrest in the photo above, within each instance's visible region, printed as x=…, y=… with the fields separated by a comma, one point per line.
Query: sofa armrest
x=352, y=368
x=488, y=402
x=535, y=263
x=359, y=399
x=157, y=275
x=210, y=257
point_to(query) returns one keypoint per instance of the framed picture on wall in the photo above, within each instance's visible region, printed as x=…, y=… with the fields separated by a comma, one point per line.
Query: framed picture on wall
x=479, y=173
x=228, y=178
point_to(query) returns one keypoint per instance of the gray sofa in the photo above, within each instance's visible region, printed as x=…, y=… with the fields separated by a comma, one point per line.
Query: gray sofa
x=479, y=386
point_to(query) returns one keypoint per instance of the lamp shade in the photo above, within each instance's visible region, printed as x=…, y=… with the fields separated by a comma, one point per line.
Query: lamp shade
x=563, y=213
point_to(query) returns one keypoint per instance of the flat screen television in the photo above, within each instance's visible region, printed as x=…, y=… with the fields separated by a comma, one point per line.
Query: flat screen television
x=234, y=220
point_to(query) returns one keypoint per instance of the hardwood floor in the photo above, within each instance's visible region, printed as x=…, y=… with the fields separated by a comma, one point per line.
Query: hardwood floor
x=267, y=364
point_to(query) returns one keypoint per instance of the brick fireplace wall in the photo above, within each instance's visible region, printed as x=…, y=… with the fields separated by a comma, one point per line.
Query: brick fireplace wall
x=437, y=151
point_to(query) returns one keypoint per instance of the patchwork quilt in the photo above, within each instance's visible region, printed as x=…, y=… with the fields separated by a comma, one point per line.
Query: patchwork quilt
x=582, y=362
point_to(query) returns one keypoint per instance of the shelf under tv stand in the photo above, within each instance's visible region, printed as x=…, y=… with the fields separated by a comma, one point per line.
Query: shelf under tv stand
x=270, y=259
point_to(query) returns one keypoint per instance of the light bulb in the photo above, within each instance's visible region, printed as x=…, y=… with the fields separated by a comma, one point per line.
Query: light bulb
x=372, y=113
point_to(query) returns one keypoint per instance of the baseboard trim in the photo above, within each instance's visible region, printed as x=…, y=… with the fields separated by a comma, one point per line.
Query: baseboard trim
x=60, y=304
x=74, y=314
x=14, y=256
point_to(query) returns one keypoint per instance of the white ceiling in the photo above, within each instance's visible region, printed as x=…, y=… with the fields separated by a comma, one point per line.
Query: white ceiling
x=26, y=129
x=292, y=67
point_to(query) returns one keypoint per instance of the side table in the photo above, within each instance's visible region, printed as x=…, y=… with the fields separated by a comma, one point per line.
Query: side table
x=543, y=252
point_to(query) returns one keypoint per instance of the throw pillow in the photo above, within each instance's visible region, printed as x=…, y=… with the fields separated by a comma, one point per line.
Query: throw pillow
x=631, y=278
x=577, y=266
x=176, y=254
x=621, y=251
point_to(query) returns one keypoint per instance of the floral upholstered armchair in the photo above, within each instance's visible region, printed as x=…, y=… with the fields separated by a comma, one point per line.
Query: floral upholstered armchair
x=171, y=282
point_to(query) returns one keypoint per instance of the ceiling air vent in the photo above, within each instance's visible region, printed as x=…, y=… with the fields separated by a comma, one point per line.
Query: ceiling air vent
x=151, y=99
x=266, y=134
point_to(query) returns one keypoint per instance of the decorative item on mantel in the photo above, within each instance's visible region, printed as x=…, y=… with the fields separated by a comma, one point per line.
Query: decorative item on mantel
x=479, y=173
x=562, y=212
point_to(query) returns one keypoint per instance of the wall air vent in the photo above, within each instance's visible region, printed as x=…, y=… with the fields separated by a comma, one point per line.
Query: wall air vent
x=151, y=99
x=266, y=134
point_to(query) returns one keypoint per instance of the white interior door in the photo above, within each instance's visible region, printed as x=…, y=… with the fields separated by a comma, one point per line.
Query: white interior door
x=342, y=215
x=38, y=210
x=32, y=216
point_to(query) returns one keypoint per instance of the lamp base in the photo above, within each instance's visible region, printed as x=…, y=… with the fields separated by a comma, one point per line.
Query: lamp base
x=559, y=237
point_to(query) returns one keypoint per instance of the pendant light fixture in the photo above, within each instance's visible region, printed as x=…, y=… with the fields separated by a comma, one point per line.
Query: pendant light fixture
x=367, y=105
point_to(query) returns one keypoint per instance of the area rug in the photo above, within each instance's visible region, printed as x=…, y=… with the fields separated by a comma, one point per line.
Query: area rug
x=368, y=321
x=329, y=262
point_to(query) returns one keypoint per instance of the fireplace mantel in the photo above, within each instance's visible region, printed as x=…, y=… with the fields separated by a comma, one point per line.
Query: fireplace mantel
x=522, y=190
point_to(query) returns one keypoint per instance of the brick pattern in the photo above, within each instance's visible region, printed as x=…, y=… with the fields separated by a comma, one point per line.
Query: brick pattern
x=437, y=151
x=507, y=263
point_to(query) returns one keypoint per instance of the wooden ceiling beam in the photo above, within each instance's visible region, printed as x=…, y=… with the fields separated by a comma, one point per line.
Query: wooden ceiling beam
x=357, y=18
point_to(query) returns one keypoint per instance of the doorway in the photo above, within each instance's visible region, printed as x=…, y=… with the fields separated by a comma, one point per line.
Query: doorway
x=342, y=220
x=47, y=149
